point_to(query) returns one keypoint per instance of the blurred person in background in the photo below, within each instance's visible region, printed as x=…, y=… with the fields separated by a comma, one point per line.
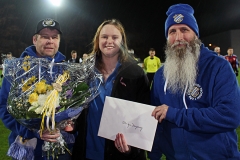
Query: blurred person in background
x=85, y=56
x=74, y=58
x=232, y=59
x=9, y=55
x=218, y=51
x=151, y=64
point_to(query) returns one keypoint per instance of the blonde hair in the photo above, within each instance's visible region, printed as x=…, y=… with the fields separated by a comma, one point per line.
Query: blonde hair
x=123, y=55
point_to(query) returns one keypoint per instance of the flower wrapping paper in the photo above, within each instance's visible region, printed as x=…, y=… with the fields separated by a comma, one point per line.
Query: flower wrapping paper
x=45, y=94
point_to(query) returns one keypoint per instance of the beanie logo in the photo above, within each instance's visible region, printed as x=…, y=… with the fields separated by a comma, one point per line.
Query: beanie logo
x=48, y=22
x=178, y=18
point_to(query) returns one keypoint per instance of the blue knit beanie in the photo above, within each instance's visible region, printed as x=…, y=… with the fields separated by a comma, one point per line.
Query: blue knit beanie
x=181, y=14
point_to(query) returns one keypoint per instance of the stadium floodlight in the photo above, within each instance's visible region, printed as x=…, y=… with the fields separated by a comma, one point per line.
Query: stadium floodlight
x=56, y=2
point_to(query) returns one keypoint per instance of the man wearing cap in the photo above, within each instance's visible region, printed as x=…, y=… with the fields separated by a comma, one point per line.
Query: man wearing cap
x=196, y=94
x=46, y=43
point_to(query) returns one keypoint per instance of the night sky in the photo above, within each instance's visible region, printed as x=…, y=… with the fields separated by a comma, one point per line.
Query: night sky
x=143, y=20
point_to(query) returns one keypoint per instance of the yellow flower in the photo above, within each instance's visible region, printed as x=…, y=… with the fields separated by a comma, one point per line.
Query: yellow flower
x=41, y=87
x=28, y=83
x=26, y=63
x=27, y=57
x=33, y=98
x=32, y=79
x=25, y=87
x=49, y=87
x=26, y=66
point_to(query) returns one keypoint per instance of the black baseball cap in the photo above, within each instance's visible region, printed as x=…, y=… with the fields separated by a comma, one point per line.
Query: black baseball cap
x=48, y=23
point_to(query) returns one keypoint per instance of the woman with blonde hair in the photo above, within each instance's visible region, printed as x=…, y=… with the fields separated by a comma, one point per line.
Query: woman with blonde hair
x=122, y=78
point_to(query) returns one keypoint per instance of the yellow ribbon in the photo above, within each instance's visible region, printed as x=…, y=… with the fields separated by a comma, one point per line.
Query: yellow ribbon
x=51, y=103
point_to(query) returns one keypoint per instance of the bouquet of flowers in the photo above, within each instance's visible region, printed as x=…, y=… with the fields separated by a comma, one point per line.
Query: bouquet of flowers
x=46, y=95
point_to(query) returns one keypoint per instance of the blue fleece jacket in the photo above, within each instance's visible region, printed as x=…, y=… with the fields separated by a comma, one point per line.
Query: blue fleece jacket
x=207, y=129
x=9, y=121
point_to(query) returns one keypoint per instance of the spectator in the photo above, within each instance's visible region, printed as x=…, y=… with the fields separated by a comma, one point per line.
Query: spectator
x=6, y=56
x=131, y=53
x=196, y=94
x=217, y=50
x=85, y=56
x=232, y=59
x=74, y=58
x=9, y=55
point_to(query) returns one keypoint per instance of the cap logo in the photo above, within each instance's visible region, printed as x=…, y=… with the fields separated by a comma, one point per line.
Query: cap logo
x=48, y=22
x=178, y=18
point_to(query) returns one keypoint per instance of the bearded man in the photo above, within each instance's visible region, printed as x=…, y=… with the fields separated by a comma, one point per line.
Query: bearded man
x=196, y=94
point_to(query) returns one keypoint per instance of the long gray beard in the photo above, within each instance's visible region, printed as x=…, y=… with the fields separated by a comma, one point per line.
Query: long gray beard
x=180, y=67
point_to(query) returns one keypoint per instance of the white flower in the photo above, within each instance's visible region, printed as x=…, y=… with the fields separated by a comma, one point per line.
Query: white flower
x=38, y=106
x=42, y=98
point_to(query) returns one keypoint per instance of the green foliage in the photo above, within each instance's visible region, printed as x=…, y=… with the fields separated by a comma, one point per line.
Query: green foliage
x=79, y=95
x=4, y=142
x=32, y=114
x=81, y=87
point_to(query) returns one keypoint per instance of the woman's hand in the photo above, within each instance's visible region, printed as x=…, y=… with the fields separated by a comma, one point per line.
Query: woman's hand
x=69, y=126
x=121, y=144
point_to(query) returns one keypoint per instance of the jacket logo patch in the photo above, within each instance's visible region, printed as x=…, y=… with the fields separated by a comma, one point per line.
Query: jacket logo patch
x=178, y=18
x=195, y=93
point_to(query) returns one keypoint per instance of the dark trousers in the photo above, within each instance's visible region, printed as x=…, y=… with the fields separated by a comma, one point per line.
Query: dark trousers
x=150, y=77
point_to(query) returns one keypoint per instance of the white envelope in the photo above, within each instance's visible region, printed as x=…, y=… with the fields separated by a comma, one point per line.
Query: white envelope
x=132, y=119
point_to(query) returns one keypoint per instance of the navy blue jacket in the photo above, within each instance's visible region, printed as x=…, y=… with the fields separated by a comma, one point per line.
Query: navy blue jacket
x=207, y=128
x=15, y=127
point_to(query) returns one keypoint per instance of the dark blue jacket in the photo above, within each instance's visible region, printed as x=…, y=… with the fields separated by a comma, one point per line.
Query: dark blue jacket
x=207, y=128
x=15, y=127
